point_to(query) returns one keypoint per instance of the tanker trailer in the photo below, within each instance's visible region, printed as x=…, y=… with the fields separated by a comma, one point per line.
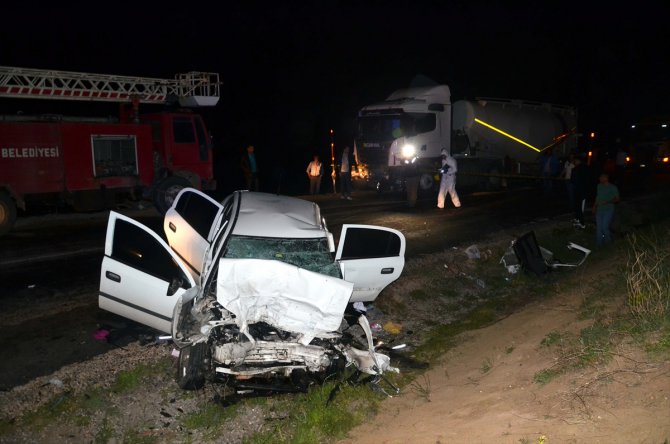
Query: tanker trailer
x=495, y=139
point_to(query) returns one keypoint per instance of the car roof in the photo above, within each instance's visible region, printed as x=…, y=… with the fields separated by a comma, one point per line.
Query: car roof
x=273, y=215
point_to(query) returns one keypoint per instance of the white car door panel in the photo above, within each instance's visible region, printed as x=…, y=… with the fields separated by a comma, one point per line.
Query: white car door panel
x=190, y=224
x=141, y=278
x=371, y=258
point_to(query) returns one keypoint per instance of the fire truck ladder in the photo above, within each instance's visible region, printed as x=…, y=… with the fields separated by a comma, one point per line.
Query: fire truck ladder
x=190, y=89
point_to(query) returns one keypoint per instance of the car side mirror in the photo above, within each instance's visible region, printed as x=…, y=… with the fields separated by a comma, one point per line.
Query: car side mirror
x=175, y=285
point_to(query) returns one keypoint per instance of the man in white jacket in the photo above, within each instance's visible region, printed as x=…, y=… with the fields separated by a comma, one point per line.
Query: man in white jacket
x=448, y=181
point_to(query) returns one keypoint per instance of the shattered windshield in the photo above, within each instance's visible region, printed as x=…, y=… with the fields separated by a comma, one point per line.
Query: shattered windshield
x=310, y=254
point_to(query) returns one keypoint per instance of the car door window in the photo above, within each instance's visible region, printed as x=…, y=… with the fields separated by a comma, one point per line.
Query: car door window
x=371, y=257
x=198, y=211
x=190, y=225
x=135, y=248
x=370, y=243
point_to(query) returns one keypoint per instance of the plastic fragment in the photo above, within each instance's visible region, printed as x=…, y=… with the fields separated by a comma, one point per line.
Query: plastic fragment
x=392, y=327
x=472, y=252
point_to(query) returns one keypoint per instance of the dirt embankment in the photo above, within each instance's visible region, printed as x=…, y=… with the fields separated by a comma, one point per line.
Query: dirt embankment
x=484, y=390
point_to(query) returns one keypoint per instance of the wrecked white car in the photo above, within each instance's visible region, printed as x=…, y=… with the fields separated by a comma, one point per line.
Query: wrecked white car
x=251, y=289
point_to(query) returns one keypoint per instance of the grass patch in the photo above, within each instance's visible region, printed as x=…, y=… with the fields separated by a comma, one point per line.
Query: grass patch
x=210, y=419
x=552, y=338
x=421, y=387
x=309, y=419
x=129, y=380
x=545, y=376
x=648, y=277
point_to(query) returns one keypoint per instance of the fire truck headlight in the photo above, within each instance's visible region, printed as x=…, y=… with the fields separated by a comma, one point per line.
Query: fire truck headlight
x=408, y=151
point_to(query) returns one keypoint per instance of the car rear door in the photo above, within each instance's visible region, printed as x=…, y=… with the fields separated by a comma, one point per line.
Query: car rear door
x=141, y=277
x=190, y=225
x=371, y=258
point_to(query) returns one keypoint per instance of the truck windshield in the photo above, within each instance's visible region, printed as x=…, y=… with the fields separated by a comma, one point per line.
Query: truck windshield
x=384, y=128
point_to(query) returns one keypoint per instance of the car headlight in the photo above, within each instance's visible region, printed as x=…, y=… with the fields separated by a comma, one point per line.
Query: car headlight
x=408, y=151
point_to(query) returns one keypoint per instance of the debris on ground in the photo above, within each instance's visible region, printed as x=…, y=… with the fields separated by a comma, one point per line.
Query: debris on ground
x=473, y=252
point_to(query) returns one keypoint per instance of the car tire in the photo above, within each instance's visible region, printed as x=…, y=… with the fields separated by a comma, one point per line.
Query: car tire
x=191, y=366
x=166, y=192
x=7, y=213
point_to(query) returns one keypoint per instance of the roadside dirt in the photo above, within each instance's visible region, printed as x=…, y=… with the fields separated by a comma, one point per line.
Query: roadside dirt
x=484, y=391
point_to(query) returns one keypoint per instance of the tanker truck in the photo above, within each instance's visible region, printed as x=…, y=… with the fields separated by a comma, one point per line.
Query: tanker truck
x=493, y=139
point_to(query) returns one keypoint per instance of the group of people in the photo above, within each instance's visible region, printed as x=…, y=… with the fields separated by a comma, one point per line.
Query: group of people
x=315, y=173
x=575, y=172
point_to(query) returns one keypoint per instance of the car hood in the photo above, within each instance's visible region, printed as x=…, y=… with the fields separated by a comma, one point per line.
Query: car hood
x=285, y=296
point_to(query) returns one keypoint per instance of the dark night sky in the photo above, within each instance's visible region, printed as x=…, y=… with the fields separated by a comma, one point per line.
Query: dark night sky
x=291, y=70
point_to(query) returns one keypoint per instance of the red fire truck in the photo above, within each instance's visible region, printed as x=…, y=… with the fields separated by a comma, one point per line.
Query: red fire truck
x=91, y=163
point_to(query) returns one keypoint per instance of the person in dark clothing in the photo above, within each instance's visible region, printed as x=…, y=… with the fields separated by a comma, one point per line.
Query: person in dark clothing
x=346, y=165
x=249, y=168
x=580, y=179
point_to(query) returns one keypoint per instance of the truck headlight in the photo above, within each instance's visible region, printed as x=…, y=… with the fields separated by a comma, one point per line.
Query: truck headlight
x=408, y=151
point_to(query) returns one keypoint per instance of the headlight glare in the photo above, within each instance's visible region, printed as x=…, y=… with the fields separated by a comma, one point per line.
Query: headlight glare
x=408, y=151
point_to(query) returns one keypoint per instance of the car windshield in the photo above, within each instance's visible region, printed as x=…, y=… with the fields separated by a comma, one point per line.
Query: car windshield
x=310, y=254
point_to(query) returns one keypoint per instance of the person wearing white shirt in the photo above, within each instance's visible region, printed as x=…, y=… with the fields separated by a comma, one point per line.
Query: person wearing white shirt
x=314, y=173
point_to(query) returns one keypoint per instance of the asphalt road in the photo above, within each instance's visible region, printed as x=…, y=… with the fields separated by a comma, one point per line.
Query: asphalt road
x=53, y=259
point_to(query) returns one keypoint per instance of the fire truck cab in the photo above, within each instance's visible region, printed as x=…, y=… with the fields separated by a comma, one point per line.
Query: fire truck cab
x=91, y=163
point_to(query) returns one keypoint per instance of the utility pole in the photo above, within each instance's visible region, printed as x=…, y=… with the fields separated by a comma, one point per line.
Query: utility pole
x=332, y=160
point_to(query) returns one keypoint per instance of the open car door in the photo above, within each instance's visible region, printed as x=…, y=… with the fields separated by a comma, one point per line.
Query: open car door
x=371, y=258
x=141, y=277
x=190, y=225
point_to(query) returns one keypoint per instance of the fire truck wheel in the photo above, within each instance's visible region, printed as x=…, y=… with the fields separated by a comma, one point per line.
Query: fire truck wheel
x=7, y=213
x=191, y=366
x=166, y=192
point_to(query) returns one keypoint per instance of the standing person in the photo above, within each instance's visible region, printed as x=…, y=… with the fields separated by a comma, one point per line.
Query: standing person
x=314, y=173
x=607, y=195
x=566, y=174
x=448, y=180
x=346, y=164
x=250, y=169
x=580, y=180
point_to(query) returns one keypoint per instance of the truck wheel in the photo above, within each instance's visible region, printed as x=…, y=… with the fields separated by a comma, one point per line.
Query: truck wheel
x=7, y=213
x=191, y=366
x=166, y=191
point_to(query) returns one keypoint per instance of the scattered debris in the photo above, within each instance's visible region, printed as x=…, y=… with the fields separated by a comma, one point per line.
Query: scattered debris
x=392, y=328
x=526, y=253
x=472, y=252
x=101, y=335
x=359, y=306
x=477, y=281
